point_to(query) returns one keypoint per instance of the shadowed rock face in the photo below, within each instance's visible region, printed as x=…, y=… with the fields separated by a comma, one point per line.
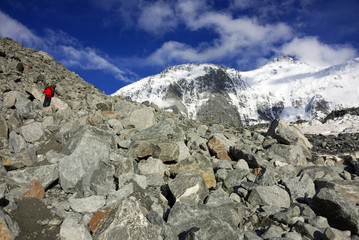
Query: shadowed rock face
x=107, y=167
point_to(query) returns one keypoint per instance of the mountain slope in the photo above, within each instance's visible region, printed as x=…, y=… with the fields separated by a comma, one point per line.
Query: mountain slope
x=284, y=88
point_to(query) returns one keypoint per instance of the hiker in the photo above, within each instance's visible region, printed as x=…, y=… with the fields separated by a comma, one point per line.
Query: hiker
x=49, y=93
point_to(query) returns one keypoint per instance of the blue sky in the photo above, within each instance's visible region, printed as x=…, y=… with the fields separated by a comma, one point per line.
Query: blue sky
x=112, y=43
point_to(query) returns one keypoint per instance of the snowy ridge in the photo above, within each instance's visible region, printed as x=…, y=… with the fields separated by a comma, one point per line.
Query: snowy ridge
x=283, y=88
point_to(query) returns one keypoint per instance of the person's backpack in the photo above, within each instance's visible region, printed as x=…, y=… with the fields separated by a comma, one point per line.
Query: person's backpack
x=52, y=87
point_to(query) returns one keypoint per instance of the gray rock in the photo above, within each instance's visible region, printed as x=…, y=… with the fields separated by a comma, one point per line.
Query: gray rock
x=188, y=187
x=218, y=198
x=115, y=124
x=235, y=178
x=87, y=134
x=157, y=132
x=209, y=222
x=334, y=234
x=140, y=119
x=53, y=156
x=151, y=165
x=155, y=180
x=253, y=159
x=17, y=161
x=125, y=165
x=249, y=235
x=222, y=164
x=46, y=175
x=286, y=134
x=3, y=189
x=85, y=165
x=9, y=228
x=319, y=222
x=3, y=128
x=321, y=173
x=17, y=142
x=293, y=154
x=348, y=188
x=272, y=231
x=117, y=196
x=293, y=236
x=32, y=132
x=10, y=99
x=266, y=177
x=165, y=230
x=104, y=106
x=300, y=188
x=340, y=212
x=66, y=131
x=269, y=195
x=72, y=230
x=241, y=164
x=221, y=175
x=129, y=223
x=307, y=230
x=24, y=107
x=90, y=204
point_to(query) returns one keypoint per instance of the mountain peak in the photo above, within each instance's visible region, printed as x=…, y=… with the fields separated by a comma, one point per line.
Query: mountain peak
x=284, y=88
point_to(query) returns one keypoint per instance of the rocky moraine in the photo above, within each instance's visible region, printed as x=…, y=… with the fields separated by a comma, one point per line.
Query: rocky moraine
x=93, y=166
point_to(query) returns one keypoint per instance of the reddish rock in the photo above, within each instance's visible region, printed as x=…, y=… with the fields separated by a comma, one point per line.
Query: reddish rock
x=257, y=171
x=99, y=218
x=216, y=149
x=36, y=191
x=5, y=234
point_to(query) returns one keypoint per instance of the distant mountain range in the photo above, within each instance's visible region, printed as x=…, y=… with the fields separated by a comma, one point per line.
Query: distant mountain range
x=284, y=88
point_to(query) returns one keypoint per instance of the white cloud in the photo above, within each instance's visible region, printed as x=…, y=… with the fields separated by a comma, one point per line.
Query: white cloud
x=235, y=37
x=89, y=59
x=157, y=18
x=11, y=28
x=312, y=51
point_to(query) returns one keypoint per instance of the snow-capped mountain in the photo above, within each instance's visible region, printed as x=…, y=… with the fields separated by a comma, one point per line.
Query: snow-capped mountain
x=284, y=88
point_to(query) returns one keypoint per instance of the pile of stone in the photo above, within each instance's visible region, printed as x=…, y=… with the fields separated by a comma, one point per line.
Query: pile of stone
x=98, y=167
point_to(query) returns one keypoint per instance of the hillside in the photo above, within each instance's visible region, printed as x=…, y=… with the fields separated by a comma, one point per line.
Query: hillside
x=284, y=88
x=92, y=166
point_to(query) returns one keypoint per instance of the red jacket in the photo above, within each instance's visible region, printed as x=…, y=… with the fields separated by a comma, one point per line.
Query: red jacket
x=48, y=92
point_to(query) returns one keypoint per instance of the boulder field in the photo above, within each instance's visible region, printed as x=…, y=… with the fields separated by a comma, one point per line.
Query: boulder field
x=93, y=166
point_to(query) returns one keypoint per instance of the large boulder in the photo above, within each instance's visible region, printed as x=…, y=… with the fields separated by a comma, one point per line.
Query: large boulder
x=17, y=142
x=166, y=151
x=192, y=221
x=72, y=229
x=140, y=118
x=32, y=132
x=46, y=175
x=341, y=213
x=86, y=165
x=90, y=204
x=301, y=188
x=128, y=223
x=87, y=134
x=199, y=164
x=347, y=188
x=253, y=159
x=269, y=195
x=188, y=187
x=286, y=134
x=292, y=154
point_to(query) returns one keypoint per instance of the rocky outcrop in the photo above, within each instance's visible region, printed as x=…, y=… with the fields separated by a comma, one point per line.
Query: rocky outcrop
x=107, y=167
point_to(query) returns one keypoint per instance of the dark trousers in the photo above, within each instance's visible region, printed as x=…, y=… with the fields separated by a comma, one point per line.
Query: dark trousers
x=47, y=101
